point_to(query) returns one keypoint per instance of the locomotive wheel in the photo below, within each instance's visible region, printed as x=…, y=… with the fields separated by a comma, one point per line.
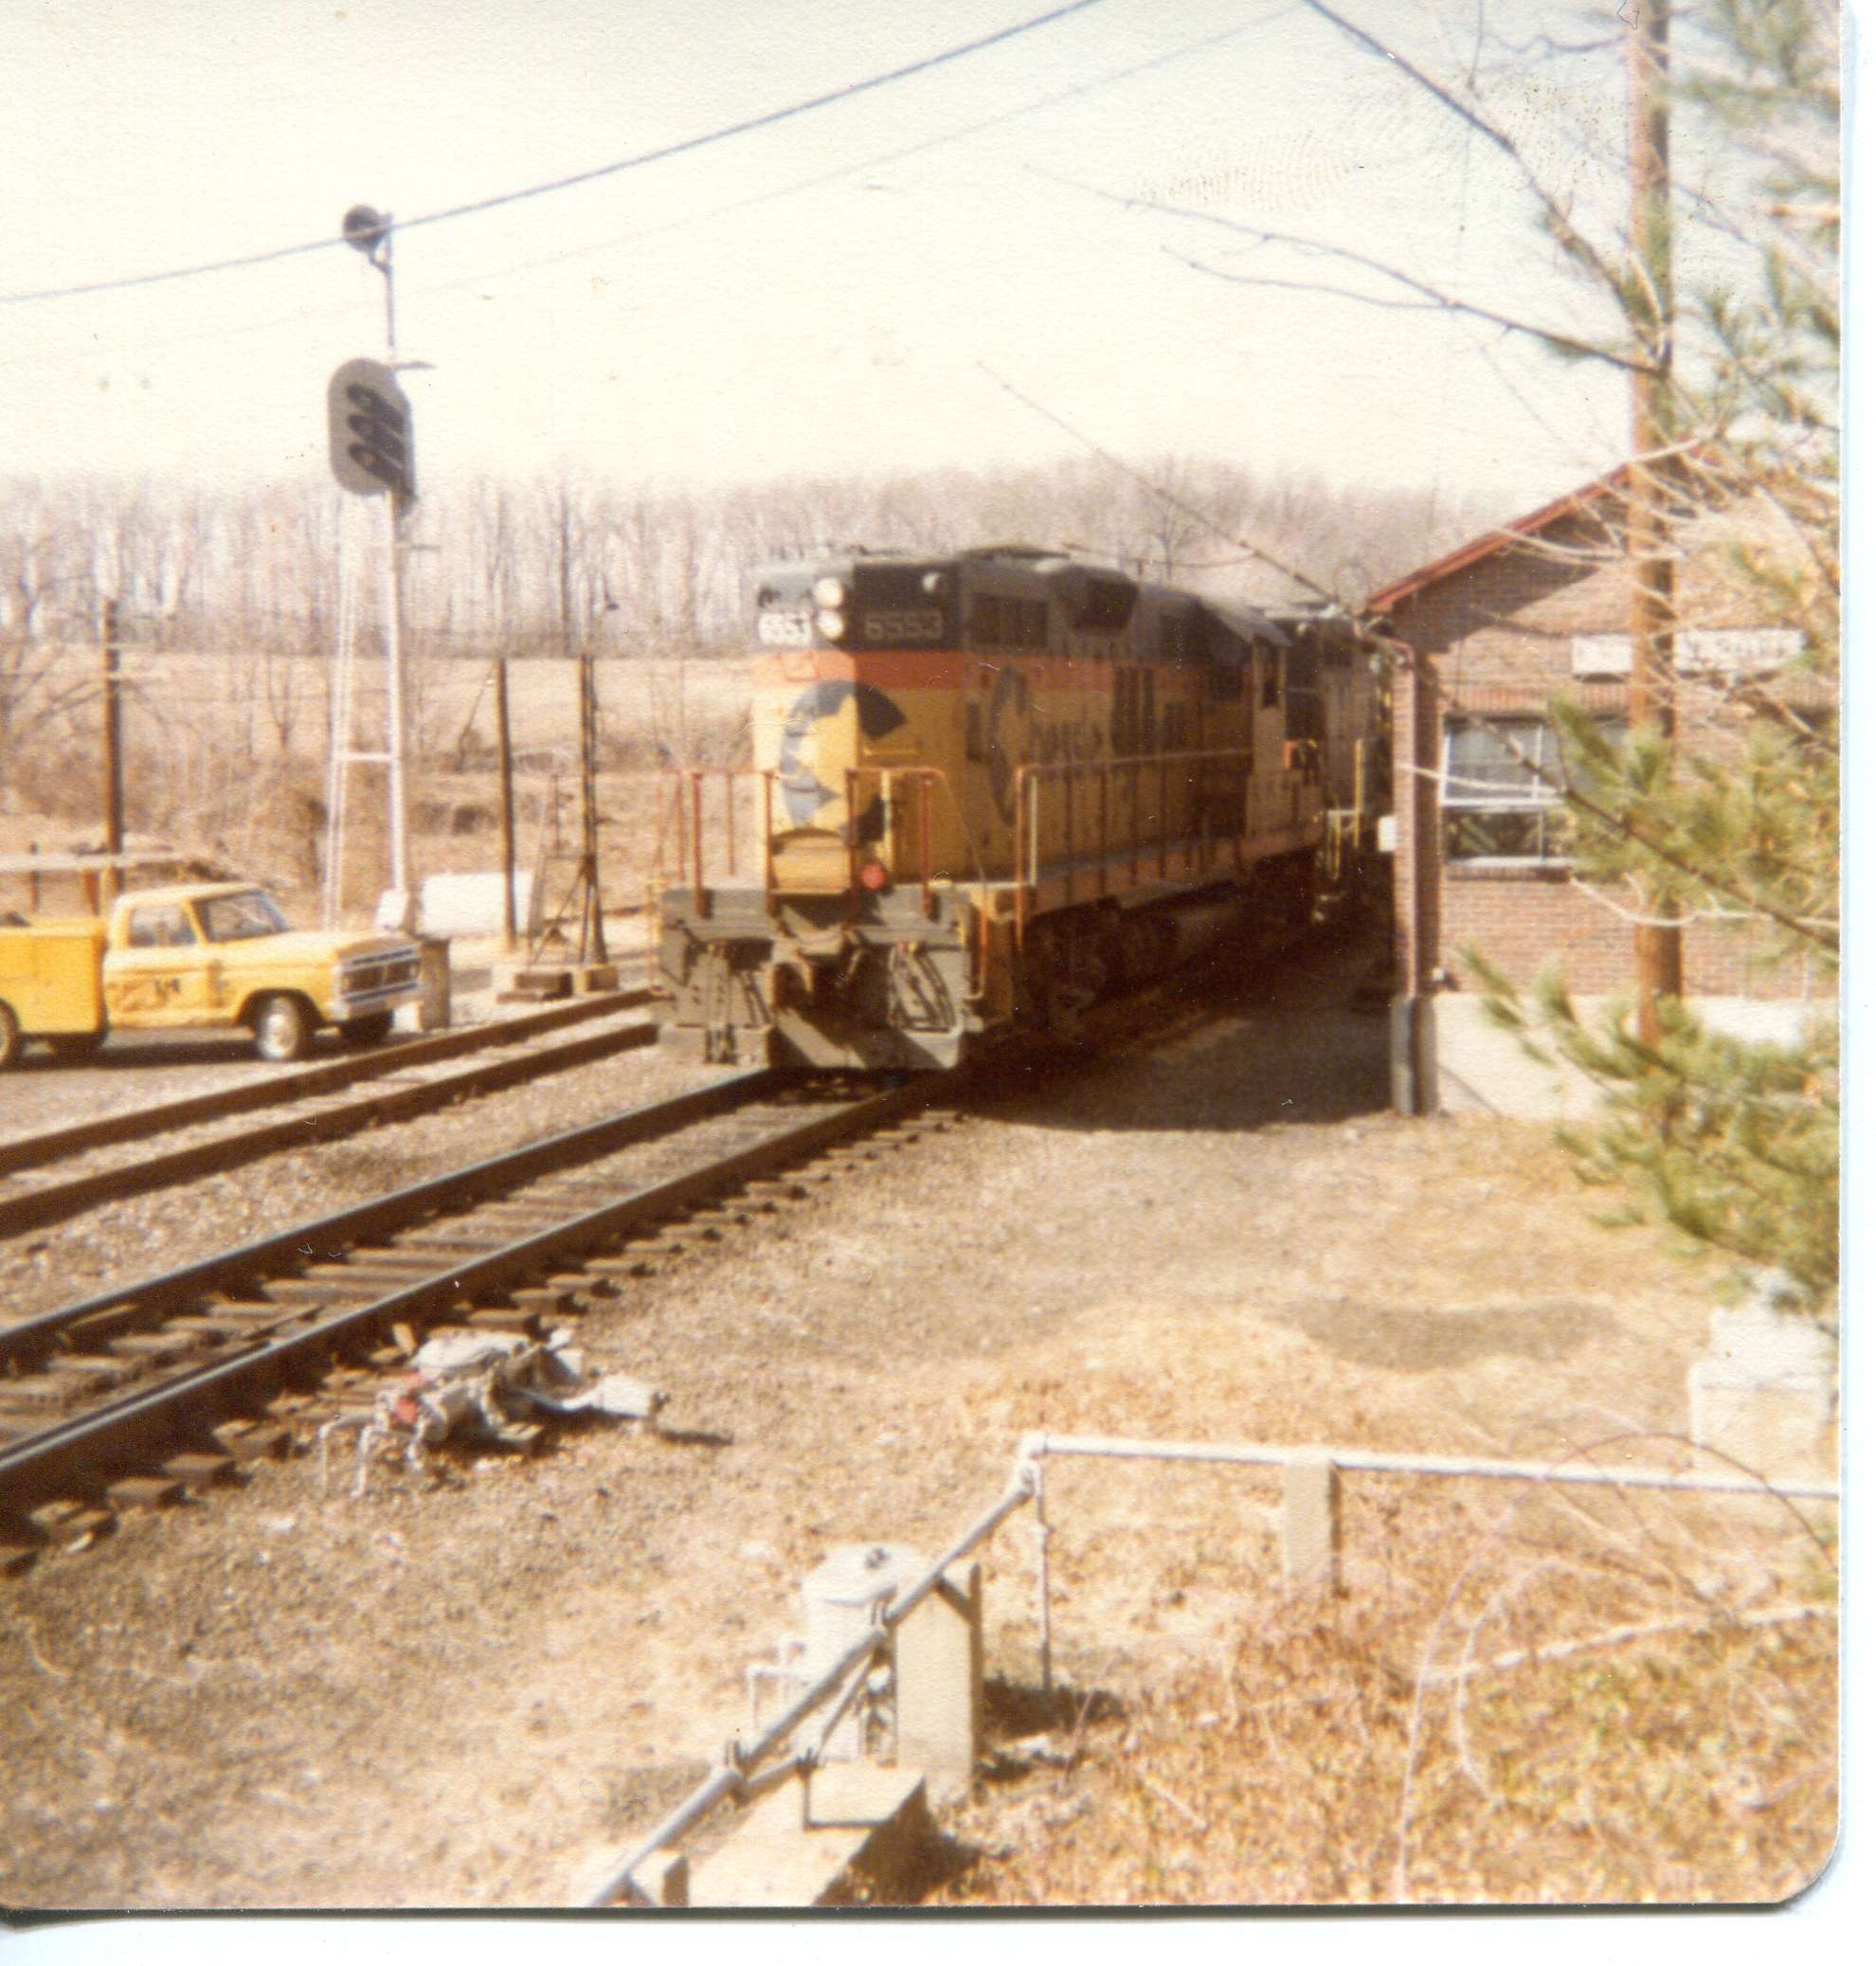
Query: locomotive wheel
x=282, y=1030
x=12, y=1043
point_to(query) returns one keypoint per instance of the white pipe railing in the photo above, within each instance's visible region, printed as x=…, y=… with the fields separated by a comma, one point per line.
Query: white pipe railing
x=741, y=1757
x=1250, y=1454
x=1027, y=1486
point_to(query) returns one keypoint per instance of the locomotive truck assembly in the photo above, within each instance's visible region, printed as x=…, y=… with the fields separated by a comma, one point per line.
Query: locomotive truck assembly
x=993, y=787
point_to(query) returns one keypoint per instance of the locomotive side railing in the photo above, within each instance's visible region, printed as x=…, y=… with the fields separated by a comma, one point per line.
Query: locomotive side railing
x=685, y=820
x=1164, y=838
x=1094, y=826
x=701, y=805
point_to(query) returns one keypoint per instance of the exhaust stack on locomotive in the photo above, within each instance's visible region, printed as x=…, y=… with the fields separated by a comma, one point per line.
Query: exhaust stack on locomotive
x=992, y=787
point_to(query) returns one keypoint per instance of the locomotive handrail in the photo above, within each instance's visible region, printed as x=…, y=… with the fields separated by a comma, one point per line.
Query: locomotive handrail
x=688, y=805
x=1161, y=839
x=925, y=774
x=1029, y=779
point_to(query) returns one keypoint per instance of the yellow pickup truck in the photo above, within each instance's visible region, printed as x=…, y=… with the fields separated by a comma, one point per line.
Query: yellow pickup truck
x=206, y=956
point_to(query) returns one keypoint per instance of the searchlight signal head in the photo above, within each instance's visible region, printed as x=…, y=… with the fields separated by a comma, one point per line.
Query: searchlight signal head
x=366, y=229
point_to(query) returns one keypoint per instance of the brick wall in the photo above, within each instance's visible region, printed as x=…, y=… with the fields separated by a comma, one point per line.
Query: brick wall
x=1526, y=920
x=1496, y=636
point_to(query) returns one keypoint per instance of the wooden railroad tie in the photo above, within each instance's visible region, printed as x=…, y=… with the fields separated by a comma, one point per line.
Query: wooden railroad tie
x=71, y=1526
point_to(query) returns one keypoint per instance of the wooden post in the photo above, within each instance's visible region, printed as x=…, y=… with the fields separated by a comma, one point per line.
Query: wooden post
x=114, y=762
x=505, y=754
x=1651, y=567
x=592, y=915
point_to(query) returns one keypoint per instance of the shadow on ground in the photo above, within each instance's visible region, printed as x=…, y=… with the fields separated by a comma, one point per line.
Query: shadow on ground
x=1296, y=1041
x=1431, y=1341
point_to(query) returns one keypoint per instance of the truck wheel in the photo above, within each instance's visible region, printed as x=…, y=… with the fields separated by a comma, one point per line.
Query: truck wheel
x=12, y=1043
x=282, y=1030
x=74, y=1046
x=362, y=1032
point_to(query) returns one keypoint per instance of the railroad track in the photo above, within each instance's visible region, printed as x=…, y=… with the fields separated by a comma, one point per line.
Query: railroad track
x=167, y=1384
x=49, y=1177
x=135, y=1396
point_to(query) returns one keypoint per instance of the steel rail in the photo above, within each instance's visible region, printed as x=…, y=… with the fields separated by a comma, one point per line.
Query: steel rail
x=128, y=1431
x=36, y=1207
x=288, y=1250
x=307, y=1081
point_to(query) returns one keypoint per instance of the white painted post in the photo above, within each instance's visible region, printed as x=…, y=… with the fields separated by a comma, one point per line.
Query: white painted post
x=938, y=1682
x=1312, y=1522
x=1044, y=1646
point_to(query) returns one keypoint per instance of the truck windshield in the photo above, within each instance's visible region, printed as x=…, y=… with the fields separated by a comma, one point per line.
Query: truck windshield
x=240, y=917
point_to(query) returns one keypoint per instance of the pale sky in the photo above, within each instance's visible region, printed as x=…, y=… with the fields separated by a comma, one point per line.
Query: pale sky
x=838, y=293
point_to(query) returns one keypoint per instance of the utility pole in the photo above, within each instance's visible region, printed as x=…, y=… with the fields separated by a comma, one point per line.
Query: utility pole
x=1651, y=564
x=114, y=754
x=397, y=718
x=505, y=751
x=592, y=916
x=381, y=462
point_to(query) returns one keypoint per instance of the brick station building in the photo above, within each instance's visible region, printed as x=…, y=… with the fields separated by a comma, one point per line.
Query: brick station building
x=1484, y=640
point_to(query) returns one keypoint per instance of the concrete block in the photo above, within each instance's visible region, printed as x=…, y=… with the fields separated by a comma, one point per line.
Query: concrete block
x=470, y=904
x=1764, y=1392
x=1473, y=1065
x=938, y=1683
x=1312, y=1522
x=432, y=1010
x=665, y=1876
x=807, y=1843
x=841, y=1598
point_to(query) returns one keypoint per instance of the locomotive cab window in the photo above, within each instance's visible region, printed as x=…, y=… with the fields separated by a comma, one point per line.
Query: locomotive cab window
x=1008, y=620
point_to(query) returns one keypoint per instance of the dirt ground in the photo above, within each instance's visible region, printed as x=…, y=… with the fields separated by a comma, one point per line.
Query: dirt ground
x=472, y=1691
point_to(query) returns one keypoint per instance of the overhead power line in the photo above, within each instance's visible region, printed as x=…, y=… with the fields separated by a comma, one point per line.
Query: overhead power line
x=689, y=220
x=747, y=127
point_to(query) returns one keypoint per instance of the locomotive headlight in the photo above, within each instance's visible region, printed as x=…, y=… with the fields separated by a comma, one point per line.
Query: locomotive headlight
x=831, y=622
x=829, y=592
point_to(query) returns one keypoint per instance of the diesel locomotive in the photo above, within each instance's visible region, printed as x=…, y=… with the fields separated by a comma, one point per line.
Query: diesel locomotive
x=990, y=787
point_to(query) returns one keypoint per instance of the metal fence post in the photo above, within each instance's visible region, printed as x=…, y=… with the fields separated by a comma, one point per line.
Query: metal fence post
x=1043, y=1532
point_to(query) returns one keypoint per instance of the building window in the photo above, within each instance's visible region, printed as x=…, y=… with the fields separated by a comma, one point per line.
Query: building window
x=1499, y=790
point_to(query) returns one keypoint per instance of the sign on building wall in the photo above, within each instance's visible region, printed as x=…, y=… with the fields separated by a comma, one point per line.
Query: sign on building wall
x=1697, y=651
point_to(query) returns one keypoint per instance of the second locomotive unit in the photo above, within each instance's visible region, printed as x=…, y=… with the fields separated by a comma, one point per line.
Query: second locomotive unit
x=993, y=787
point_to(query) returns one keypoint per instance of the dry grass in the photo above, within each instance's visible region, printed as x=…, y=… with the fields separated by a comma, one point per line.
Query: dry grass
x=1534, y=1699
x=207, y=773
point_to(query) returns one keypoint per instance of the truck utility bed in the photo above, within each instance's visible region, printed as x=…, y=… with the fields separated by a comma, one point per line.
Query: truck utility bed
x=51, y=972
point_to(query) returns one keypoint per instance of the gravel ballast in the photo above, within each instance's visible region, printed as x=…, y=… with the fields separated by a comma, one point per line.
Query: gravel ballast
x=471, y=1687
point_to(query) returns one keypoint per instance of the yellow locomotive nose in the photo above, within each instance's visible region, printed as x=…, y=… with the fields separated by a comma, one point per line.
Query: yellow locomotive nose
x=813, y=734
